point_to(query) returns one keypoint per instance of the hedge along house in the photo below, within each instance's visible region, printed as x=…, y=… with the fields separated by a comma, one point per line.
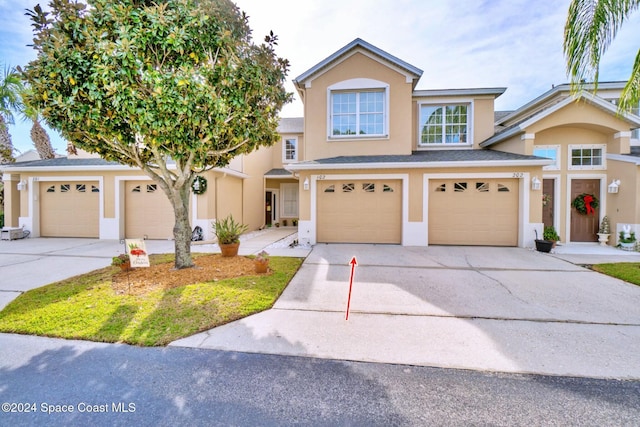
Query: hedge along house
x=375, y=161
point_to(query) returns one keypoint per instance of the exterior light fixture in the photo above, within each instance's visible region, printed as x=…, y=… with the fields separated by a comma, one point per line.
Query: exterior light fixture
x=22, y=185
x=305, y=185
x=535, y=183
x=614, y=186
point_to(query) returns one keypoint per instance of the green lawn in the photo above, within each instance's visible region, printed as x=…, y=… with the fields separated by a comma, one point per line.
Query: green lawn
x=627, y=271
x=86, y=307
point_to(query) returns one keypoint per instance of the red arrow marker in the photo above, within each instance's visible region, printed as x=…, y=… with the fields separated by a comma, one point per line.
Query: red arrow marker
x=353, y=263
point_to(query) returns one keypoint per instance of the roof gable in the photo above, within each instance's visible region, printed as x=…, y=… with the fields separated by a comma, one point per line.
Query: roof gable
x=411, y=73
x=528, y=121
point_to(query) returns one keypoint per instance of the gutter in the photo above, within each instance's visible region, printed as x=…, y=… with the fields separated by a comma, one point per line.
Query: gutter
x=419, y=165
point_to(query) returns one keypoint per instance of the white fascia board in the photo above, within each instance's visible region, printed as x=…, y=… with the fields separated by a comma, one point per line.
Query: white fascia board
x=502, y=136
x=624, y=158
x=419, y=165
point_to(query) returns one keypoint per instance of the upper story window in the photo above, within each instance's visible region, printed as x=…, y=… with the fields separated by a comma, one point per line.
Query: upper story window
x=587, y=157
x=550, y=152
x=290, y=150
x=358, y=108
x=358, y=113
x=444, y=124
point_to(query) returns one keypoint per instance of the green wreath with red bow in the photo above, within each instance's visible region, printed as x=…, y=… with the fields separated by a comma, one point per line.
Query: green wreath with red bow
x=585, y=204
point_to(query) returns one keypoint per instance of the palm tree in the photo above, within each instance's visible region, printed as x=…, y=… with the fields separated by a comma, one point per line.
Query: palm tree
x=10, y=87
x=590, y=28
x=39, y=135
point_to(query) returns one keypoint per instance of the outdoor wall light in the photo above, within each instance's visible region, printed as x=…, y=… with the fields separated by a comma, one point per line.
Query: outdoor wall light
x=535, y=183
x=22, y=185
x=305, y=185
x=614, y=186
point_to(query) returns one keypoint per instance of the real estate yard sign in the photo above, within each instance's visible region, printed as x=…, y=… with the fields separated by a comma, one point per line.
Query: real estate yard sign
x=137, y=251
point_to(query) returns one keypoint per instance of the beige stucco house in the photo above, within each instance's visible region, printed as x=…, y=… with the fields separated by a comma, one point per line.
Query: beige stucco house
x=376, y=161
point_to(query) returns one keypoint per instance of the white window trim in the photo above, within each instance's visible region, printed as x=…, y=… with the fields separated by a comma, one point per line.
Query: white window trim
x=558, y=149
x=284, y=149
x=358, y=85
x=603, y=166
x=468, y=103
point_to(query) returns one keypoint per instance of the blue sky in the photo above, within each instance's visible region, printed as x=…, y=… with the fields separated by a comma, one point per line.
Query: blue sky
x=492, y=43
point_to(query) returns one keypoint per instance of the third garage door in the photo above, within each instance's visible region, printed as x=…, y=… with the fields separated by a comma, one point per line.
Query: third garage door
x=359, y=211
x=473, y=212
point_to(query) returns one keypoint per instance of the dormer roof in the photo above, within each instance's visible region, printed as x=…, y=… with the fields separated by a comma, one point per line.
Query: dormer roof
x=412, y=73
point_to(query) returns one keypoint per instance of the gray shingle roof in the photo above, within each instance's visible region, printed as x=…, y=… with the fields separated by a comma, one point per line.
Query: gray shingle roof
x=63, y=162
x=431, y=156
x=278, y=173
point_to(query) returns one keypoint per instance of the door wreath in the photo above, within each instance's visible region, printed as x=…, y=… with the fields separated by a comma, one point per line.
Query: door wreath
x=199, y=185
x=585, y=204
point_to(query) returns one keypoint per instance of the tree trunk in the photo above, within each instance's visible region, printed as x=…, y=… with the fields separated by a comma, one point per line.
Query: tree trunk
x=6, y=147
x=182, y=228
x=41, y=141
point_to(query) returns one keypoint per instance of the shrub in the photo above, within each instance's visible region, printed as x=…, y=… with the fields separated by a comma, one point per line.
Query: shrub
x=228, y=231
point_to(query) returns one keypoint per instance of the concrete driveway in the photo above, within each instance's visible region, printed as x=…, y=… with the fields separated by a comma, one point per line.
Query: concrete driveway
x=485, y=308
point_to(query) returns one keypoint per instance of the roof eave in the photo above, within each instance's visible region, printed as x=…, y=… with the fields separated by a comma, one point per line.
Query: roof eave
x=301, y=80
x=419, y=165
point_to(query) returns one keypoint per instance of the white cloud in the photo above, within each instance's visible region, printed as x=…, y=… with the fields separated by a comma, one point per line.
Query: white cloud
x=476, y=43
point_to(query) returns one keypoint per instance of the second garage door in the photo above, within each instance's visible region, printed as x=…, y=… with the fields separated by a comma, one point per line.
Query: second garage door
x=148, y=211
x=358, y=211
x=473, y=212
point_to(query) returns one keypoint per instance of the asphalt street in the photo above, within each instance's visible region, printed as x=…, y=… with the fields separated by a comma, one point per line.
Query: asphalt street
x=72, y=383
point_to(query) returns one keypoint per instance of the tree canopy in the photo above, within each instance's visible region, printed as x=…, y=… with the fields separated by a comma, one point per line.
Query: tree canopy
x=590, y=28
x=173, y=87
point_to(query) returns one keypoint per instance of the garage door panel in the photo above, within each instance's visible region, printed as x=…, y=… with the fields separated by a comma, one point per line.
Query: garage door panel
x=69, y=209
x=359, y=211
x=148, y=211
x=473, y=212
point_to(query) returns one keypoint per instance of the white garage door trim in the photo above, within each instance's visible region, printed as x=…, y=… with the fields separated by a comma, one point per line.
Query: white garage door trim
x=312, y=230
x=524, y=178
x=32, y=221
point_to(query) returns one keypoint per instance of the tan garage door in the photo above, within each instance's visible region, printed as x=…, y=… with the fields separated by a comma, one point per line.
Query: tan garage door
x=148, y=211
x=473, y=212
x=69, y=209
x=352, y=211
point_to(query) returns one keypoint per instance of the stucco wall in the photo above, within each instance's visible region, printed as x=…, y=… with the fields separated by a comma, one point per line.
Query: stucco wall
x=358, y=66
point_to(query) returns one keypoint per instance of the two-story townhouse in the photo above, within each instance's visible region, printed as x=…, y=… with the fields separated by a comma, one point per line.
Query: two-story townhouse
x=375, y=161
x=386, y=163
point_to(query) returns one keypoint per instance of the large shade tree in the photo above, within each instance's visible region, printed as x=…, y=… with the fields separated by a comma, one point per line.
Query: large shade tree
x=173, y=87
x=590, y=28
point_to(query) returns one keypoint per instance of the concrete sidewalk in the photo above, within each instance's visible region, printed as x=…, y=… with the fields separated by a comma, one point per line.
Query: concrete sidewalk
x=493, y=309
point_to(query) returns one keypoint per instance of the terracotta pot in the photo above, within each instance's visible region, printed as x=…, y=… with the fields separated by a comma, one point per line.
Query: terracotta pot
x=125, y=266
x=262, y=266
x=229, y=249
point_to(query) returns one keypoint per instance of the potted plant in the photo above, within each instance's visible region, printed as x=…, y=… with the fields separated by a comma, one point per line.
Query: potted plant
x=262, y=262
x=543, y=245
x=228, y=233
x=604, y=231
x=122, y=261
x=551, y=235
x=284, y=223
x=627, y=239
x=294, y=222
